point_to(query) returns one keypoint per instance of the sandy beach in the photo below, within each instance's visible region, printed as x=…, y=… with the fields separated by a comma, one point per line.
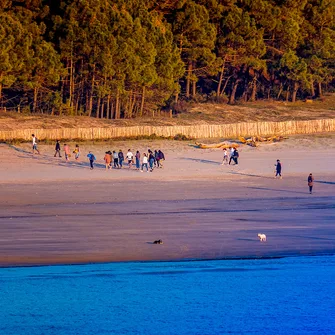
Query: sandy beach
x=57, y=212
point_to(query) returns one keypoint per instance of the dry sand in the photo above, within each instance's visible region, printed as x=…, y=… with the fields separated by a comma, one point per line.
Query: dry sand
x=56, y=212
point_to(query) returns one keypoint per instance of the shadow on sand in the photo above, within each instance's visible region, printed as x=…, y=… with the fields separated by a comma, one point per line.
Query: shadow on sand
x=249, y=175
x=324, y=182
x=206, y=161
x=276, y=190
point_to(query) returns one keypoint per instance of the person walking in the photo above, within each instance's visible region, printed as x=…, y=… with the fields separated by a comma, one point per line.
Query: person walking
x=137, y=158
x=57, y=149
x=108, y=160
x=35, y=144
x=161, y=158
x=91, y=158
x=225, y=157
x=151, y=160
x=116, y=159
x=67, y=152
x=278, y=169
x=76, y=152
x=130, y=157
x=121, y=158
x=232, y=151
x=145, y=162
x=310, y=181
x=236, y=156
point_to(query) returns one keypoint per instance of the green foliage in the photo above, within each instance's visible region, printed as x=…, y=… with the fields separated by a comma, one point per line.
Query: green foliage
x=118, y=58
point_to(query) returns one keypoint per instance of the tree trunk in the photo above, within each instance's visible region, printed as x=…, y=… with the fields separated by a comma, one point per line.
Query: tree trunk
x=142, y=101
x=102, y=109
x=1, y=94
x=233, y=92
x=90, y=104
x=108, y=110
x=194, y=88
x=71, y=88
x=312, y=88
x=280, y=91
x=218, y=91
x=188, y=80
x=117, y=104
x=319, y=89
x=98, y=107
x=225, y=85
x=35, y=100
x=295, y=90
x=254, y=89
x=287, y=97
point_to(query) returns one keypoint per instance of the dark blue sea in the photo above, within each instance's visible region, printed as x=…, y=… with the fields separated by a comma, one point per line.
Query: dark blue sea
x=292, y=295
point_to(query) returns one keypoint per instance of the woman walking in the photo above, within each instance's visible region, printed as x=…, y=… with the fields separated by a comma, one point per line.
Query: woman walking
x=108, y=160
x=121, y=159
x=310, y=181
x=137, y=157
x=151, y=160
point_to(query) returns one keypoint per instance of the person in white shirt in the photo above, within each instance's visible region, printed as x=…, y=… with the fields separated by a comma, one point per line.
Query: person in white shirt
x=145, y=162
x=225, y=157
x=35, y=144
x=130, y=157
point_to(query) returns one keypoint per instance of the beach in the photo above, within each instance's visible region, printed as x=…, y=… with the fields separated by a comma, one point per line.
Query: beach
x=57, y=212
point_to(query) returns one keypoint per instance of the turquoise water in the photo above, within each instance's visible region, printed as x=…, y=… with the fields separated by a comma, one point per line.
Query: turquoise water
x=266, y=296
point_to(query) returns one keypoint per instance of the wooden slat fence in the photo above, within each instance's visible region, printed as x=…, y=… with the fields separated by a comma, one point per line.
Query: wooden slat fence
x=196, y=131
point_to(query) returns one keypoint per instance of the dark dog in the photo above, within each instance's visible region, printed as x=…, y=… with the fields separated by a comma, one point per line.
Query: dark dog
x=158, y=242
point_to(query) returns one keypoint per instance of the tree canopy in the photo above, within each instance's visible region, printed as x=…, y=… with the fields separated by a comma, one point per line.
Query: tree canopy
x=126, y=58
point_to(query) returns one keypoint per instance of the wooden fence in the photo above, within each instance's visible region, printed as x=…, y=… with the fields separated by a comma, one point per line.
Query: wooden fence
x=196, y=131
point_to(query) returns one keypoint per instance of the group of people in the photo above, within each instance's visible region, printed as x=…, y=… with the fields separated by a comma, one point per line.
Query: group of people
x=149, y=160
x=116, y=159
x=232, y=156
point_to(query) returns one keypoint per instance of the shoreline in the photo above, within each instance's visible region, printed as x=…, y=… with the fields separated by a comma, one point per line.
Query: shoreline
x=47, y=263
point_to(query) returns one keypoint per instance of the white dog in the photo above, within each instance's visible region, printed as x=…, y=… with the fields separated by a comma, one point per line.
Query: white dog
x=262, y=237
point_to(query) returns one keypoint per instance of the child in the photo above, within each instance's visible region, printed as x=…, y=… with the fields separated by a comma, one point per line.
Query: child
x=76, y=152
x=35, y=144
x=91, y=158
x=225, y=156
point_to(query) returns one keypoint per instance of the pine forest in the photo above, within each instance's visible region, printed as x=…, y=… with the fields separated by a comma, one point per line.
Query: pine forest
x=117, y=59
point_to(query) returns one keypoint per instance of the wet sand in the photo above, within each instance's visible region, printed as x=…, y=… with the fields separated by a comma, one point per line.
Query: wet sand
x=53, y=212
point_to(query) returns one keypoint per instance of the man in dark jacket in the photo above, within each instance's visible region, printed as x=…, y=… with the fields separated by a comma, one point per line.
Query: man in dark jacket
x=57, y=149
x=278, y=169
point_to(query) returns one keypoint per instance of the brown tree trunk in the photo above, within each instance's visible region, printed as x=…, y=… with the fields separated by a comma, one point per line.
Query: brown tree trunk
x=194, y=88
x=117, y=104
x=102, y=109
x=295, y=90
x=218, y=91
x=98, y=108
x=90, y=104
x=188, y=80
x=142, y=101
x=254, y=89
x=35, y=100
x=280, y=91
x=312, y=89
x=233, y=92
x=319, y=89
x=108, y=110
